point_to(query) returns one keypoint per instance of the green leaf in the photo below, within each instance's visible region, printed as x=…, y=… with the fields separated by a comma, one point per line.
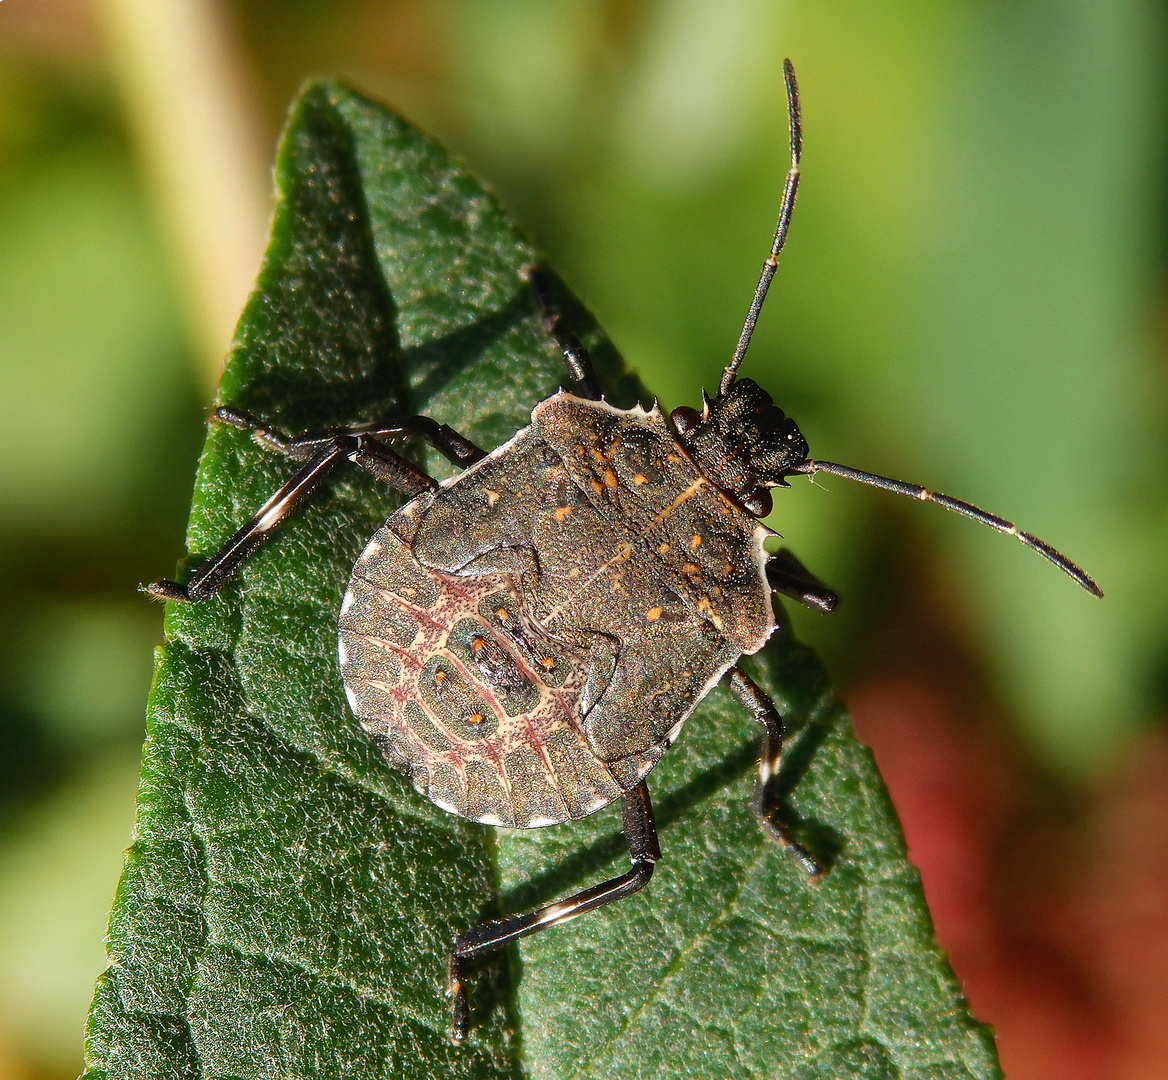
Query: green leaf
x=289, y=902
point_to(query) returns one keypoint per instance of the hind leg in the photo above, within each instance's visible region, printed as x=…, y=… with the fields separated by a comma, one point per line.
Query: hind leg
x=641, y=834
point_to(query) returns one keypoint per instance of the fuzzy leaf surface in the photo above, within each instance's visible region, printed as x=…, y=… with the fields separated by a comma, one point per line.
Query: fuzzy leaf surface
x=288, y=904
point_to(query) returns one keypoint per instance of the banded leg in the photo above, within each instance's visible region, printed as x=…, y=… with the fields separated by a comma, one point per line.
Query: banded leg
x=764, y=802
x=320, y=450
x=641, y=834
x=576, y=357
x=371, y=455
x=448, y=442
x=787, y=575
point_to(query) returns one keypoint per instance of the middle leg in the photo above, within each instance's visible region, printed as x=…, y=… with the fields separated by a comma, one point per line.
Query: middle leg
x=321, y=450
x=787, y=575
x=448, y=442
x=765, y=801
x=371, y=455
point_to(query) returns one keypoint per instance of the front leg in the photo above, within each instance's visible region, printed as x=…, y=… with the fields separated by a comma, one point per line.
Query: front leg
x=787, y=575
x=576, y=357
x=765, y=802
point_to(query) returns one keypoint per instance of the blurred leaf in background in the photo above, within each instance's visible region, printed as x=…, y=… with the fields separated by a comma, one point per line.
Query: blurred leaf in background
x=972, y=298
x=100, y=419
x=56, y=877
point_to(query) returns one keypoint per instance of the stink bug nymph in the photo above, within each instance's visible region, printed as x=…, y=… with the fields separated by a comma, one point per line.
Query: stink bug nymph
x=525, y=639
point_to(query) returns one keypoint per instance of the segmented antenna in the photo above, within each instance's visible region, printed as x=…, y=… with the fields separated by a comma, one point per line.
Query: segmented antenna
x=790, y=188
x=915, y=491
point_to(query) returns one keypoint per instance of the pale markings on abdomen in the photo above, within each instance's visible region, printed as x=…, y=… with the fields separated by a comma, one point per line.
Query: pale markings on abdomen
x=403, y=605
x=447, y=700
x=534, y=741
x=390, y=647
x=423, y=725
x=502, y=720
x=504, y=782
x=485, y=794
x=569, y=782
x=538, y=746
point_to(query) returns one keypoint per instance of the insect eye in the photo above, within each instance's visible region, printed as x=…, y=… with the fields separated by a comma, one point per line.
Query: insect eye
x=685, y=419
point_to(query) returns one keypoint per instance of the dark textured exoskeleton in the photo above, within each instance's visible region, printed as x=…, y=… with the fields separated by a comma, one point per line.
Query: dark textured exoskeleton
x=526, y=639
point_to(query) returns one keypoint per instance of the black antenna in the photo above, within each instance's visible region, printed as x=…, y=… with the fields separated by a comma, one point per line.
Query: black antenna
x=790, y=188
x=915, y=491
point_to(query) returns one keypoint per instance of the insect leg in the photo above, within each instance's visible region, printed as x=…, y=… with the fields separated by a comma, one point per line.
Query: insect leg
x=575, y=355
x=641, y=834
x=448, y=442
x=787, y=575
x=366, y=452
x=764, y=802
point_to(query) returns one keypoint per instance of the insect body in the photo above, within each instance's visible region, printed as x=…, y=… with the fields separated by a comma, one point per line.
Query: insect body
x=525, y=640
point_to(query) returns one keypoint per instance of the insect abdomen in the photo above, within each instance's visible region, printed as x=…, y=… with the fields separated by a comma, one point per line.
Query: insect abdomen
x=465, y=696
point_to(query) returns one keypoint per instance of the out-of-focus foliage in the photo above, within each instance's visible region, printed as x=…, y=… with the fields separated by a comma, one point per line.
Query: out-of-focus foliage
x=99, y=425
x=972, y=298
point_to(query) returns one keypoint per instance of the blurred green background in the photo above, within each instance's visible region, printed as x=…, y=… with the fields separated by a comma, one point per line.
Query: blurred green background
x=972, y=298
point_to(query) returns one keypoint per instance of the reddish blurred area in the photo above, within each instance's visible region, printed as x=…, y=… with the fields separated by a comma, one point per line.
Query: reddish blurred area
x=972, y=294
x=1052, y=905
